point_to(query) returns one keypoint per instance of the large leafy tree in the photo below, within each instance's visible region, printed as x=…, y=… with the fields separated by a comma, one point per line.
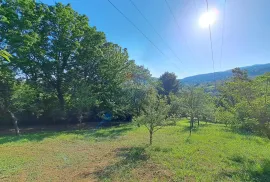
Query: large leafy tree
x=136, y=88
x=55, y=49
x=169, y=83
x=45, y=41
x=103, y=78
x=7, y=81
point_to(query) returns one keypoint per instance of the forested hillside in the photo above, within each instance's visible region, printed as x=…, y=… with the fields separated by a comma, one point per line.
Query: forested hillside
x=253, y=71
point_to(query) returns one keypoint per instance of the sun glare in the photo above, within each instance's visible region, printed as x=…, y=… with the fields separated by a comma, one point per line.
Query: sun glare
x=208, y=18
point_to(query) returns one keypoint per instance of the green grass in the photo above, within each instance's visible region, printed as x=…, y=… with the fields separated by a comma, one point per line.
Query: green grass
x=212, y=153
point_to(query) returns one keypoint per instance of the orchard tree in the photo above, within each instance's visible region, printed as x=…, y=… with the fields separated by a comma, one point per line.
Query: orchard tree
x=155, y=114
x=195, y=103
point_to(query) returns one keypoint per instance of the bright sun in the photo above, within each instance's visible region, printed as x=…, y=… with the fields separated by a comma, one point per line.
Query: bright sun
x=208, y=18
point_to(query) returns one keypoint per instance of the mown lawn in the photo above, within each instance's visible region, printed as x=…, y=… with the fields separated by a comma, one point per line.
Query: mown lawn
x=212, y=153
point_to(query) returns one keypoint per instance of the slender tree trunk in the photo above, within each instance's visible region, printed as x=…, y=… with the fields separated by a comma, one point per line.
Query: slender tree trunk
x=198, y=120
x=190, y=128
x=191, y=124
x=80, y=118
x=151, y=136
x=15, y=122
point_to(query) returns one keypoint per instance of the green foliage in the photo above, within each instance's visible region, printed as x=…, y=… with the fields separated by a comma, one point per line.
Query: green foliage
x=247, y=101
x=25, y=98
x=196, y=103
x=6, y=82
x=224, y=116
x=69, y=65
x=169, y=84
x=155, y=114
x=4, y=54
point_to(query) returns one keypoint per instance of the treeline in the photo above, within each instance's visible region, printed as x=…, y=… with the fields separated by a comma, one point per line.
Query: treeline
x=63, y=71
x=244, y=103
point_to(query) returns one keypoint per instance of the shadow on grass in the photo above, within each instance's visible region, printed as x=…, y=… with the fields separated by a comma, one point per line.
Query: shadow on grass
x=249, y=170
x=242, y=132
x=102, y=134
x=195, y=127
x=130, y=158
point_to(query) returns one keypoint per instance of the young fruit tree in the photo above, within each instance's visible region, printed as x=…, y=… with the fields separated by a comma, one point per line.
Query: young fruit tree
x=155, y=114
x=196, y=104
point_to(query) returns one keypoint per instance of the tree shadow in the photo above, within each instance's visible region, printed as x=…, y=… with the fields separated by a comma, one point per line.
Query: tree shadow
x=130, y=158
x=98, y=135
x=195, y=128
x=249, y=170
x=242, y=132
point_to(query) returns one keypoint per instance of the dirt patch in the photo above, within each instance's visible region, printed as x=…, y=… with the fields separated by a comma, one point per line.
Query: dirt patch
x=151, y=172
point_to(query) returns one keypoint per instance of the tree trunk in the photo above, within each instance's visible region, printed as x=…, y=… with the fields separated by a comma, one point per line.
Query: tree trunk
x=191, y=123
x=190, y=128
x=60, y=95
x=198, y=119
x=15, y=122
x=61, y=100
x=80, y=118
x=151, y=136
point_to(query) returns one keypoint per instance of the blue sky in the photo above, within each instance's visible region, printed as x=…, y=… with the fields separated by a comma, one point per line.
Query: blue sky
x=246, y=36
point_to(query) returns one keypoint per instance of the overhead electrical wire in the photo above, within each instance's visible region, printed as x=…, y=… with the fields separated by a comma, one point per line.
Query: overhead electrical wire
x=211, y=42
x=150, y=24
x=169, y=7
x=223, y=30
x=176, y=22
x=139, y=30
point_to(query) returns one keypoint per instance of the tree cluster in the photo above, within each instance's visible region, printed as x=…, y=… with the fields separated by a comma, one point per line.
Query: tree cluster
x=244, y=103
x=62, y=70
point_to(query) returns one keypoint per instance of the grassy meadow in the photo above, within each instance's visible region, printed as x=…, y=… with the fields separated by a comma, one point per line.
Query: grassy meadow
x=212, y=153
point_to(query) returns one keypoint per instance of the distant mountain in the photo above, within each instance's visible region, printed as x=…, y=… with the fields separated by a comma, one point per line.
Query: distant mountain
x=253, y=71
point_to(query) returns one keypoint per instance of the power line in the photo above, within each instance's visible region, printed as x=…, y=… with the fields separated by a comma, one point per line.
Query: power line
x=169, y=7
x=136, y=7
x=210, y=36
x=223, y=29
x=136, y=27
x=176, y=22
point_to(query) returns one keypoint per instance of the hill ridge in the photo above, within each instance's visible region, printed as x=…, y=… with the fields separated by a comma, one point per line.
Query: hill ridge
x=253, y=71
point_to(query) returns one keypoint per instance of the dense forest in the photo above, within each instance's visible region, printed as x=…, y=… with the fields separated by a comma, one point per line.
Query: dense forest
x=57, y=69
